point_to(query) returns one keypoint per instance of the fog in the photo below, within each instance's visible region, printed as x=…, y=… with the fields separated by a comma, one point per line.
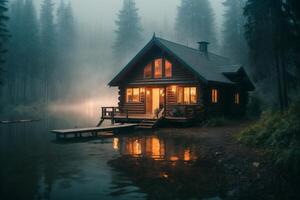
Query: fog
x=95, y=21
x=90, y=63
x=96, y=18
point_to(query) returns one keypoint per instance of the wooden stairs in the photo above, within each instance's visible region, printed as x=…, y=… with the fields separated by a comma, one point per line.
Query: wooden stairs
x=147, y=124
x=151, y=123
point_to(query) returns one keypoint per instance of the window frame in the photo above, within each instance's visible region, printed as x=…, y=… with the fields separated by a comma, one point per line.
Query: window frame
x=150, y=65
x=182, y=90
x=161, y=68
x=214, y=96
x=171, y=68
x=237, y=98
x=132, y=93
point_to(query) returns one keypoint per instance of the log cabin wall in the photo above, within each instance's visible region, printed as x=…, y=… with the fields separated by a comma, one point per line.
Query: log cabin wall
x=179, y=73
x=226, y=105
x=131, y=107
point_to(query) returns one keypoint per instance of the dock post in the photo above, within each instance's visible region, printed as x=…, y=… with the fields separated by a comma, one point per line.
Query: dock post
x=113, y=116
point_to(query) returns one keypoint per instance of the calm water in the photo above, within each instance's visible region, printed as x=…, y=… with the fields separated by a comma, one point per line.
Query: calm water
x=133, y=166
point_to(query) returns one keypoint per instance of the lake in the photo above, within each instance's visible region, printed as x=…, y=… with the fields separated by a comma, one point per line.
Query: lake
x=138, y=165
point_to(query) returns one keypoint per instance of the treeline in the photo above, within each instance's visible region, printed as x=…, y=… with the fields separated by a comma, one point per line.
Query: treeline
x=3, y=35
x=261, y=35
x=39, y=52
x=273, y=36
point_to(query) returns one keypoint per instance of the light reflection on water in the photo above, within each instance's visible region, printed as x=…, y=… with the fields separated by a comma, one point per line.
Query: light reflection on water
x=35, y=167
x=154, y=147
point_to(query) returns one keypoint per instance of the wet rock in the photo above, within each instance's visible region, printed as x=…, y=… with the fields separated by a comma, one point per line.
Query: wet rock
x=255, y=164
x=232, y=193
x=218, y=153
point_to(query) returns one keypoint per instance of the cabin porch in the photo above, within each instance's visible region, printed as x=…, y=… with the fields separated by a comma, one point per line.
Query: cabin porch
x=172, y=113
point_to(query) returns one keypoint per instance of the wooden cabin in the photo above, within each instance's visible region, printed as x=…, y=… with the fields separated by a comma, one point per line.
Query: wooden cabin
x=170, y=81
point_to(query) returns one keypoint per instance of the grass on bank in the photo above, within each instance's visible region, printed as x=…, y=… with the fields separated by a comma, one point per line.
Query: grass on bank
x=278, y=133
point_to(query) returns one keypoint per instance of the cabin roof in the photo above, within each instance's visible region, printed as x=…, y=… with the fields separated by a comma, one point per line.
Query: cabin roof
x=208, y=66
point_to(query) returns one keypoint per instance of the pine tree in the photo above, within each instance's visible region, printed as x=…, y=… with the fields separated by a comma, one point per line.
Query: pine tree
x=48, y=43
x=23, y=57
x=195, y=22
x=234, y=42
x=272, y=33
x=15, y=56
x=3, y=34
x=66, y=36
x=65, y=25
x=128, y=38
x=31, y=53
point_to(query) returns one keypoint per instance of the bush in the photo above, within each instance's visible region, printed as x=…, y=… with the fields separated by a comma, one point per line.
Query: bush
x=214, y=122
x=254, y=107
x=280, y=134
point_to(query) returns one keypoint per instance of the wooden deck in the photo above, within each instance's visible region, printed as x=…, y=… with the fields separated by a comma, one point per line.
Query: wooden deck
x=186, y=113
x=91, y=131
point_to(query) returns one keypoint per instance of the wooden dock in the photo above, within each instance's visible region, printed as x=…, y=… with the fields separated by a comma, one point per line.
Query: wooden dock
x=92, y=131
x=19, y=121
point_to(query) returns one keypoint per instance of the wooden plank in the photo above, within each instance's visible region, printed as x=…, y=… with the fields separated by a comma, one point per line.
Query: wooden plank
x=19, y=121
x=93, y=129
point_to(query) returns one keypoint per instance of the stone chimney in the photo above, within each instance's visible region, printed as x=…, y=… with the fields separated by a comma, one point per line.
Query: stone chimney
x=203, y=46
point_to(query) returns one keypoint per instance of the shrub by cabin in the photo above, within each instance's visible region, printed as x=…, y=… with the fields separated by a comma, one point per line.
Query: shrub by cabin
x=175, y=82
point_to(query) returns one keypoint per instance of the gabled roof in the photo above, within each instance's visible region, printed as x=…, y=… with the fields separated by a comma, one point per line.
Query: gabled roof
x=208, y=66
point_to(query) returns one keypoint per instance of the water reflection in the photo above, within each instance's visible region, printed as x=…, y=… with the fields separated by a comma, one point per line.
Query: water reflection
x=157, y=148
x=165, y=168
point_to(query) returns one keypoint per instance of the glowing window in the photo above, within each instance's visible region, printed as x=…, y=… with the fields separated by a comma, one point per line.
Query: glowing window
x=158, y=68
x=237, y=98
x=168, y=69
x=193, y=92
x=180, y=95
x=214, y=96
x=148, y=71
x=187, y=95
x=133, y=95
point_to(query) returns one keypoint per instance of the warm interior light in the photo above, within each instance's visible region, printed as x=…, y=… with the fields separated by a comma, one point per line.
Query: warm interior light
x=173, y=88
x=155, y=148
x=137, y=147
x=142, y=90
x=174, y=158
x=148, y=92
x=187, y=155
x=116, y=143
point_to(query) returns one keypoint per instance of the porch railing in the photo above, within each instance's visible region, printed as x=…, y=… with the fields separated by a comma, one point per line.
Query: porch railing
x=111, y=113
x=186, y=111
x=160, y=114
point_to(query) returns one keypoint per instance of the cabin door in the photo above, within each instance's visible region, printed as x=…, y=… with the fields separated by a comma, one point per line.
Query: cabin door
x=155, y=99
x=148, y=101
x=152, y=100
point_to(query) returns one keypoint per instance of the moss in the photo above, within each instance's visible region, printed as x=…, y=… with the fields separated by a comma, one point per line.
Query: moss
x=278, y=133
